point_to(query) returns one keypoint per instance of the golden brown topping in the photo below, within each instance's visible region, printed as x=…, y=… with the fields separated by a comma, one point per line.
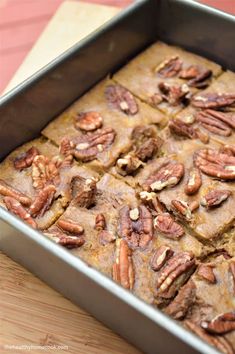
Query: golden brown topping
x=136, y=226
x=120, y=98
x=70, y=227
x=100, y=223
x=169, y=67
x=123, y=271
x=16, y=208
x=206, y=272
x=182, y=263
x=88, y=146
x=9, y=191
x=169, y=174
x=83, y=191
x=160, y=256
x=194, y=181
x=215, y=198
x=88, y=121
x=44, y=172
x=215, y=164
x=43, y=201
x=213, y=122
x=180, y=128
x=216, y=341
x=221, y=324
x=213, y=100
x=168, y=226
x=197, y=76
x=25, y=160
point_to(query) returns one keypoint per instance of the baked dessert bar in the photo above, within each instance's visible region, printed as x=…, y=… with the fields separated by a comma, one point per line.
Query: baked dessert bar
x=141, y=187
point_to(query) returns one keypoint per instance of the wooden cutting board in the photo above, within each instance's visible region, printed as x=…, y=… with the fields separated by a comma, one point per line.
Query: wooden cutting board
x=31, y=313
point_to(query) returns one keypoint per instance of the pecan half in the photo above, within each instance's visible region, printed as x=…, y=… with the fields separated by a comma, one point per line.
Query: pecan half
x=123, y=271
x=206, y=272
x=182, y=209
x=43, y=201
x=180, y=128
x=7, y=191
x=70, y=227
x=83, y=191
x=152, y=201
x=174, y=94
x=212, y=123
x=25, y=160
x=16, y=208
x=88, y=121
x=215, y=198
x=215, y=164
x=120, y=98
x=181, y=304
x=88, y=146
x=136, y=226
x=232, y=270
x=100, y=223
x=44, y=172
x=169, y=67
x=197, y=76
x=221, y=343
x=168, y=175
x=71, y=241
x=213, y=100
x=166, y=224
x=194, y=181
x=221, y=324
x=160, y=256
x=128, y=164
x=226, y=117
x=182, y=263
x=106, y=237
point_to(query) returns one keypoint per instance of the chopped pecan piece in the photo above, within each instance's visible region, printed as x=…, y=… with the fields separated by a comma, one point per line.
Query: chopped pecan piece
x=180, y=128
x=25, y=160
x=169, y=67
x=16, y=208
x=166, y=224
x=194, y=182
x=182, y=263
x=219, y=342
x=128, y=164
x=88, y=146
x=202, y=135
x=136, y=226
x=66, y=147
x=232, y=270
x=100, y=222
x=88, y=121
x=160, y=256
x=8, y=191
x=43, y=201
x=215, y=164
x=169, y=174
x=213, y=100
x=215, y=198
x=206, y=272
x=70, y=227
x=221, y=324
x=83, y=191
x=197, y=76
x=151, y=200
x=44, y=172
x=181, y=304
x=212, y=123
x=120, y=98
x=174, y=94
x=182, y=209
x=106, y=237
x=123, y=271
x=148, y=149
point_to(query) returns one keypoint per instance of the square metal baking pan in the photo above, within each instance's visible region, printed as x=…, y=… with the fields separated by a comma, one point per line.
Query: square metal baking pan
x=31, y=105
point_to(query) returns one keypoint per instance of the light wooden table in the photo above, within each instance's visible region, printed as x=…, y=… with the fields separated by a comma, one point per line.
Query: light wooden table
x=31, y=313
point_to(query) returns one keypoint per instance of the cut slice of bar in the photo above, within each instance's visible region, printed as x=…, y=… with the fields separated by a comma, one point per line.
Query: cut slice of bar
x=99, y=125
x=165, y=65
